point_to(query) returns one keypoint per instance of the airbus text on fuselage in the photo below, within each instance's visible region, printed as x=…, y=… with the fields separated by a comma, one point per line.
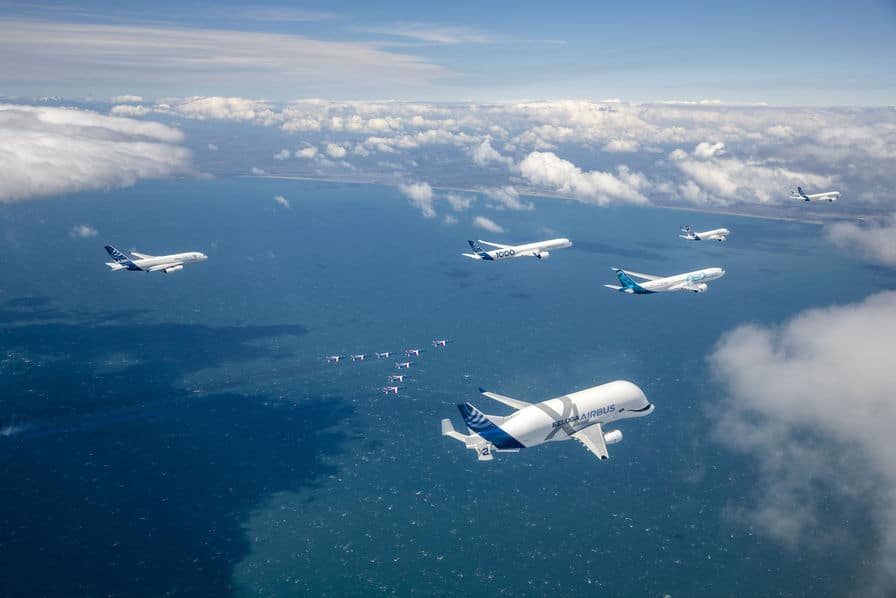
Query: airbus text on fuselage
x=540, y=249
x=580, y=415
x=716, y=234
x=689, y=281
x=829, y=196
x=152, y=263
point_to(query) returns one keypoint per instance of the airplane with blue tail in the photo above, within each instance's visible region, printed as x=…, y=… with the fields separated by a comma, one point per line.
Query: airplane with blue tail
x=143, y=262
x=577, y=416
x=539, y=249
x=694, y=282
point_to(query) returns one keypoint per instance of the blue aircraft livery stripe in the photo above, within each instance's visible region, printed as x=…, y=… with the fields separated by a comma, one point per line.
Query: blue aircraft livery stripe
x=628, y=283
x=479, y=423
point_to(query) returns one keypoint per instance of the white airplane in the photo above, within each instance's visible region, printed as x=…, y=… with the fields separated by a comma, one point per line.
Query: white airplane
x=717, y=234
x=828, y=196
x=396, y=378
x=689, y=281
x=390, y=390
x=412, y=352
x=153, y=263
x=359, y=357
x=383, y=355
x=333, y=358
x=580, y=415
x=540, y=249
x=440, y=342
x=403, y=365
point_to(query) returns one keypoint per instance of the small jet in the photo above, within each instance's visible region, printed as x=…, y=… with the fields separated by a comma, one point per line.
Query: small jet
x=580, y=415
x=440, y=343
x=384, y=355
x=359, y=357
x=717, y=234
x=390, y=390
x=412, y=352
x=690, y=281
x=152, y=263
x=404, y=365
x=396, y=378
x=830, y=196
x=333, y=358
x=539, y=249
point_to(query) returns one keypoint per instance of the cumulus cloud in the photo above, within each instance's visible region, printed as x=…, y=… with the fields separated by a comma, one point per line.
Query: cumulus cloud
x=257, y=171
x=282, y=154
x=421, y=196
x=706, y=150
x=336, y=151
x=876, y=241
x=306, y=152
x=212, y=147
x=47, y=151
x=487, y=224
x=484, y=154
x=621, y=145
x=449, y=219
x=810, y=402
x=458, y=201
x=546, y=169
x=506, y=198
x=126, y=99
x=282, y=201
x=82, y=231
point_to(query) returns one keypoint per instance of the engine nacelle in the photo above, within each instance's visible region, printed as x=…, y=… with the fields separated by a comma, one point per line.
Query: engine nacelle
x=543, y=255
x=700, y=288
x=173, y=269
x=613, y=436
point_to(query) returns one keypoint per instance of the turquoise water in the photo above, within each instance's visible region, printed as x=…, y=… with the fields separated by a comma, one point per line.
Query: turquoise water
x=181, y=434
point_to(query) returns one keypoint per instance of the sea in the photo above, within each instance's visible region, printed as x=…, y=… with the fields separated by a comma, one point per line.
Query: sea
x=183, y=434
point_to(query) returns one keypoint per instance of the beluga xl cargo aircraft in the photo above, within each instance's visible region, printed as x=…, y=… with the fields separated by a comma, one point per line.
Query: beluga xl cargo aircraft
x=689, y=281
x=539, y=249
x=716, y=234
x=152, y=263
x=826, y=196
x=580, y=415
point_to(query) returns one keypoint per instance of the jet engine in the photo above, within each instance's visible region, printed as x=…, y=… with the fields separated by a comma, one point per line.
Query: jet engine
x=173, y=269
x=543, y=255
x=699, y=288
x=613, y=436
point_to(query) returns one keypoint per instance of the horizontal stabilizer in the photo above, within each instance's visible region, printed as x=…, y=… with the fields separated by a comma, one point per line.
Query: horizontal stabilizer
x=116, y=266
x=472, y=256
x=449, y=431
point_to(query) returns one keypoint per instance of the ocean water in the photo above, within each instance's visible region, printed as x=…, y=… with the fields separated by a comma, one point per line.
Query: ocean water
x=182, y=435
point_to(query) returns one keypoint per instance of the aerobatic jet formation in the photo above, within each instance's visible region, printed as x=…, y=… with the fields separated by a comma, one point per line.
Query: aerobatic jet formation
x=689, y=281
x=383, y=355
x=829, y=196
x=716, y=234
x=580, y=415
x=539, y=249
x=143, y=262
x=333, y=358
x=440, y=342
x=403, y=365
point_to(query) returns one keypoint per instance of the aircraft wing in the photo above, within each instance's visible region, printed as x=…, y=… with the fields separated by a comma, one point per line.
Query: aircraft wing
x=142, y=256
x=164, y=266
x=473, y=256
x=644, y=276
x=497, y=245
x=593, y=439
x=515, y=403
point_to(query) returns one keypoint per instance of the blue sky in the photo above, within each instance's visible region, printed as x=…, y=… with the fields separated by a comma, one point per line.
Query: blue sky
x=792, y=53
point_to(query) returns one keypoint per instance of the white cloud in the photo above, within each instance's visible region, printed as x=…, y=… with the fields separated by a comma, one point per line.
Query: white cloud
x=82, y=231
x=876, y=240
x=126, y=99
x=434, y=34
x=621, y=145
x=212, y=147
x=421, y=196
x=548, y=170
x=282, y=201
x=706, y=150
x=507, y=198
x=458, y=201
x=257, y=171
x=47, y=151
x=306, y=152
x=487, y=224
x=811, y=404
x=484, y=154
x=219, y=108
x=449, y=219
x=130, y=110
x=282, y=154
x=335, y=151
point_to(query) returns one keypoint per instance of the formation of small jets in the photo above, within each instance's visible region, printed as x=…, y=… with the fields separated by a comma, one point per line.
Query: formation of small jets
x=393, y=380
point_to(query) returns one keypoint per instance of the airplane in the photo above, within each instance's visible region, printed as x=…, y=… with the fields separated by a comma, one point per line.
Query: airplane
x=689, y=281
x=396, y=378
x=390, y=390
x=412, y=352
x=440, y=343
x=718, y=234
x=828, y=196
x=359, y=357
x=153, y=263
x=580, y=415
x=404, y=365
x=333, y=358
x=384, y=355
x=539, y=249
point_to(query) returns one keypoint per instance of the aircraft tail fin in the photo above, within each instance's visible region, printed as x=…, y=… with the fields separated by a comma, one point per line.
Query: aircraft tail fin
x=799, y=190
x=476, y=420
x=121, y=259
x=475, y=246
x=628, y=285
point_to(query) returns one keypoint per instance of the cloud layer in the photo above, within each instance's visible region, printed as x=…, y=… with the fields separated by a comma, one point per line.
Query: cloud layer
x=47, y=151
x=876, y=241
x=811, y=403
